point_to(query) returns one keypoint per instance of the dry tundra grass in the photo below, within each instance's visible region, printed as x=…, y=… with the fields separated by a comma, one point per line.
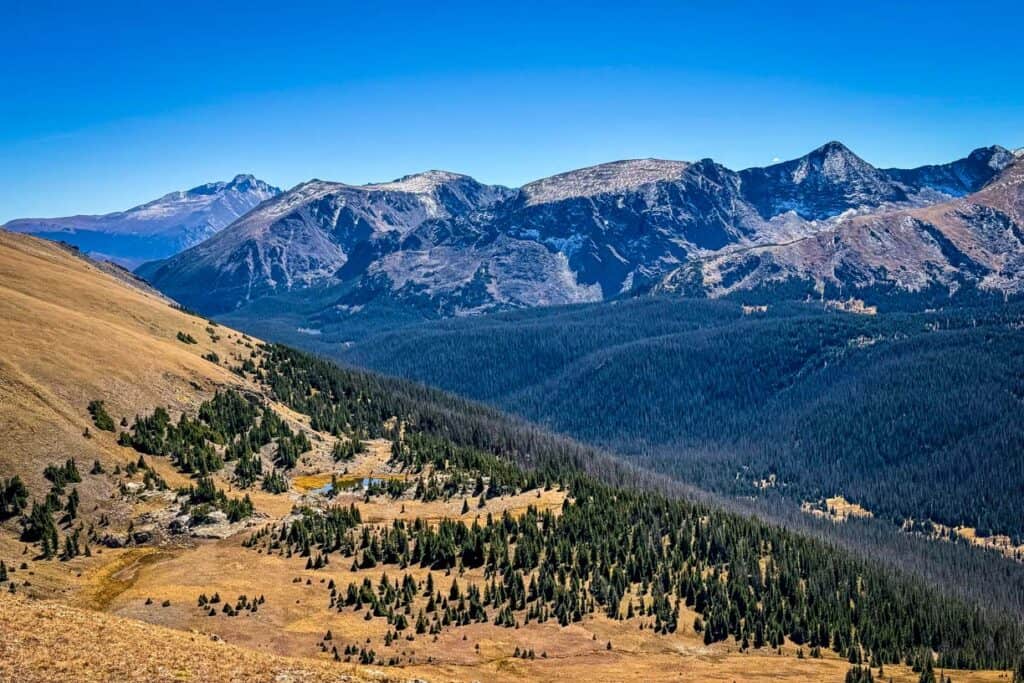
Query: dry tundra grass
x=46, y=641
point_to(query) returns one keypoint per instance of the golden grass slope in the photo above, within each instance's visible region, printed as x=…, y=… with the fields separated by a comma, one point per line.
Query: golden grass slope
x=72, y=332
x=51, y=642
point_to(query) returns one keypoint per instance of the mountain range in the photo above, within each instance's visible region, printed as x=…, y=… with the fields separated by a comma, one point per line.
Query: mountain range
x=440, y=244
x=156, y=229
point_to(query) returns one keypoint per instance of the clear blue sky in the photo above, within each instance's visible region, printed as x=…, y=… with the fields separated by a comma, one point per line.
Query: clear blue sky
x=108, y=106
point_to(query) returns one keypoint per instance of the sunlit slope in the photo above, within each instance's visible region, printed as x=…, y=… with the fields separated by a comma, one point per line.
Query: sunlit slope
x=52, y=642
x=72, y=333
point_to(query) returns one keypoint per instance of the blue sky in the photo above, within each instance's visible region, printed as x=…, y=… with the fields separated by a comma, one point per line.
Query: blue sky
x=106, y=107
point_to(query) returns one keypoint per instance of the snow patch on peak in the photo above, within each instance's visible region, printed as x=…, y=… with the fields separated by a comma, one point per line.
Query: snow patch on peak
x=1019, y=153
x=610, y=178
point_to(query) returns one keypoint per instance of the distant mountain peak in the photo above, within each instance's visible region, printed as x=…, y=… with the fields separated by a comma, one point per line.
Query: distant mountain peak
x=245, y=181
x=956, y=178
x=834, y=159
x=159, y=228
x=417, y=183
x=832, y=147
x=994, y=156
x=440, y=243
x=608, y=178
x=820, y=184
x=241, y=183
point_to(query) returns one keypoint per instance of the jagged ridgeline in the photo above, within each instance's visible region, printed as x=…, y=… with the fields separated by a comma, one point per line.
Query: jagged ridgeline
x=325, y=257
x=614, y=547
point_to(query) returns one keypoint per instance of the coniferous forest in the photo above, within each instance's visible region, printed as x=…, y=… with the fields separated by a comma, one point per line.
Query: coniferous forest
x=913, y=415
x=613, y=543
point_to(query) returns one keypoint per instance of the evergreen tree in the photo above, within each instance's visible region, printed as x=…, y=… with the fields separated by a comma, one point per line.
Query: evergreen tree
x=927, y=669
x=100, y=417
x=13, y=497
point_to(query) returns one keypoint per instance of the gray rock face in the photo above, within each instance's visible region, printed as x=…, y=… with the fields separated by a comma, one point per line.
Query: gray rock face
x=443, y=244
x=958, y=178
x=320, y=234
x=157, y=229
x=973, y=241
x=824, y=183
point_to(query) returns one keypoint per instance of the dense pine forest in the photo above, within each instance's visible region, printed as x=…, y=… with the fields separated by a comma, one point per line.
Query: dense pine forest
x=914, y=415
x=983, y=579
x=615, y=548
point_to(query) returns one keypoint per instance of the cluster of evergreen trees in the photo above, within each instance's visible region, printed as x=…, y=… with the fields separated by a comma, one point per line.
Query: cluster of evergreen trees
x=230, y=420
x=100, y=417
x=62, y=475
x=13, y=497
x=632, y=555
x=618, y=546
x=626, y=552
x=39, y=526
x=275, y=482
x=289, y=448
x=913, y=415
x=242, y=604
x=204, y=495
x=345, y=450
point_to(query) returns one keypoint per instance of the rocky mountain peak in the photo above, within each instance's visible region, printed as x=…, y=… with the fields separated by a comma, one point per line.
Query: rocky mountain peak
x=995, y=157
x=609, y=178
x=243, y=183
x=159, y=228
x=956, y=178
x=833, y=161
x=443, y=244
x=418, y=183
x=246, y=182
x=819, y=185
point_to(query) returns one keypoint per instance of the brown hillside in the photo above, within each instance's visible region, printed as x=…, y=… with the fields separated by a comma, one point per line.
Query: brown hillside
x=73, y=333
x=48, y=641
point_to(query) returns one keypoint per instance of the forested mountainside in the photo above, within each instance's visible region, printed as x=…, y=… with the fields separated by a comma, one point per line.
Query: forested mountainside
x=304, y=509
x=156, y=229
x=325, y=256
x=911, y=415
